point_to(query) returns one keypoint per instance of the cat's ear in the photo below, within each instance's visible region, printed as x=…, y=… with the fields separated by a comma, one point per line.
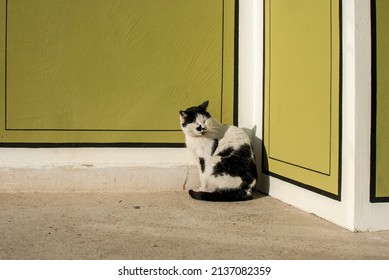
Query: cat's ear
x=204, y=105
x=183, y=114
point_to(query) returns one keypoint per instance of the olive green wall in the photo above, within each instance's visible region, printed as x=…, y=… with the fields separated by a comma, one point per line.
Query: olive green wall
x=301, y=111
x=382, y=100
x=113, y=71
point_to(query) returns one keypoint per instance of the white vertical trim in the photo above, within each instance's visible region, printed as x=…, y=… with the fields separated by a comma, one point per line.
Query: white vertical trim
x=348, y=113
x=251, y=73
x=362, y=110
x=250, y=63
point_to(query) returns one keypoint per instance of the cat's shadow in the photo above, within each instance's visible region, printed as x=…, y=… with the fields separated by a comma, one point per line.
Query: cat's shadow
x=263, y=184
x=258, y=194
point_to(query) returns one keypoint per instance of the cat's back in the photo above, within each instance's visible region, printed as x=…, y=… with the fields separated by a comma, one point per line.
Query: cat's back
x=234, y=137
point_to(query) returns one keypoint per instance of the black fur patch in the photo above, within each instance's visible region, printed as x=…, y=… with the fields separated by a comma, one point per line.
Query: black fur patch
x=188, y=117
x=214, y=146
x=202, y=164
x=237, y=163
x=191, y=113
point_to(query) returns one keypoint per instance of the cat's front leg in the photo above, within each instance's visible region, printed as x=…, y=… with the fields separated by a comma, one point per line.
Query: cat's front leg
x=203, y=183
x=201, y=172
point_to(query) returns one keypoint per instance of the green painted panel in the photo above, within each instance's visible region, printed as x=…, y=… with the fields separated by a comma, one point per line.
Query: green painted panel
x=301, y=124
x=382, y=117
x=112, y=71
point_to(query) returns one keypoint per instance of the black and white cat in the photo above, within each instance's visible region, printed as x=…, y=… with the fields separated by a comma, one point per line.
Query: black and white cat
x=224, y=155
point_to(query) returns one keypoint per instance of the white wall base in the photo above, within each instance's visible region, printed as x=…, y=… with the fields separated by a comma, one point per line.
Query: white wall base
x=96, y=170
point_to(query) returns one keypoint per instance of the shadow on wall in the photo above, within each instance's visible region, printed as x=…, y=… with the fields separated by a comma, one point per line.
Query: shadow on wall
x=263, y=184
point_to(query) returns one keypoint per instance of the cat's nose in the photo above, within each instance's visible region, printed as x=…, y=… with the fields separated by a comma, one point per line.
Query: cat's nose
x=200, y=128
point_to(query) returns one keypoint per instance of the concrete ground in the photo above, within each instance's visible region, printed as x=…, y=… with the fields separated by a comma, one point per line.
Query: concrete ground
x=170, y=225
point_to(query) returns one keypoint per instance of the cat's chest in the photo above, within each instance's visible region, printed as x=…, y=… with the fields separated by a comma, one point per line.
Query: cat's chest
x=201, y=147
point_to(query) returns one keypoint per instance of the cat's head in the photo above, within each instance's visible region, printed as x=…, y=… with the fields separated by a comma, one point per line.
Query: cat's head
x=194, y=120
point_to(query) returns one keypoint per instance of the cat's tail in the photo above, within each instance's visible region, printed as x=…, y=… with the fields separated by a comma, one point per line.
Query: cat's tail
x=221, y=195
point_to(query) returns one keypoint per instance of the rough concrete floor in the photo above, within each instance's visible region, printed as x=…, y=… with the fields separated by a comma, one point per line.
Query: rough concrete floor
x=170, y=225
